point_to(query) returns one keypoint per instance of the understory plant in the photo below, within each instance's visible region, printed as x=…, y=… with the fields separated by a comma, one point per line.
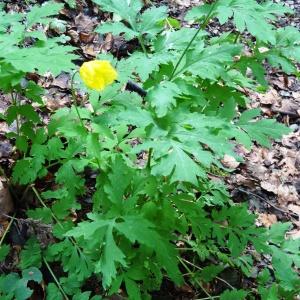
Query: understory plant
x=130, y=201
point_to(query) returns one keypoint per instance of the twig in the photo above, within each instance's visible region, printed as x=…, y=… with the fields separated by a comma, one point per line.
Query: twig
x=6, y=230
x=269, y=203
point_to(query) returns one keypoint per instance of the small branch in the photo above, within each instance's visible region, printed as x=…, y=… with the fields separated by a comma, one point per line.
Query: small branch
x=7, y=229
x=268, y=202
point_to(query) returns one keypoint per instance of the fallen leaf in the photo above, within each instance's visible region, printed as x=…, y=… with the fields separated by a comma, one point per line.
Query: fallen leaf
x=230, y=162
x=267, y=220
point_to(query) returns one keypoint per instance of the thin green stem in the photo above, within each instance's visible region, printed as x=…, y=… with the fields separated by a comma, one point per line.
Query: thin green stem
x=57, y=221
x=198, y=282
x=75, y=100
x=55, y=279
x=217, y=277
x=43, y=203
x=7, y=229
x=201, y=27
x=149, y=158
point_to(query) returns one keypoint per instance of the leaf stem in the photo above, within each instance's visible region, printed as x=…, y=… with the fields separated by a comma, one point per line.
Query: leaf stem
x=55, y=279
x=149, y=158
x=201, y=27
x=217, y=277
x=198, y=282
x=73, y=241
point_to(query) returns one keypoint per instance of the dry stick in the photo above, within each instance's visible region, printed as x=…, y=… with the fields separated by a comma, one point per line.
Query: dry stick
x=201, y=27
x=268, y=202
x=7, y=229
x=198, y=282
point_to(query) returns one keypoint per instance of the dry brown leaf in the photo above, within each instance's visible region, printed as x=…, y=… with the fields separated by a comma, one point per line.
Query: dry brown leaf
x=267, y=220
x=295, y=209
x=271, y=97
x=230, y=162
x=287, y=194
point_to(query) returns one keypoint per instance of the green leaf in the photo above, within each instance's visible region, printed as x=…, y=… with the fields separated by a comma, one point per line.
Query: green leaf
x=263, y=130
x=234, y=294
x=132, y=289
x=34, y=92
x=126, y=9
x=150, y=20
x=60, y=57
x=40, y=213
x=32, y=274
x=178, y=165
x=4, y=250
x=209, y=62
x=276, y=233
x=30, y=256
x=25, y=110
x=162, y=97
x=269, y=293
x=40, y=14
x=208, y=273
x=246, y=14
x=112, y=255
x=119, y=179
x=53, y=292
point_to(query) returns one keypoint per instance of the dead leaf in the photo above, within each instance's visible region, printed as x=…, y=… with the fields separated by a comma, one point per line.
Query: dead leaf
x=270, y=98
x=287, y=194
x=295, y=209
x=230, y=162
x=61, y=81
x=267, y=219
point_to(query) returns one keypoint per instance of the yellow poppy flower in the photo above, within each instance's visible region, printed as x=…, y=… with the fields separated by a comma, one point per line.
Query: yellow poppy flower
x=97, y=74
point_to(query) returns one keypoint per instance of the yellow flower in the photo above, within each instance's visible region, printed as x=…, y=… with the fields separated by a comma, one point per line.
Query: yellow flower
x=97, y=74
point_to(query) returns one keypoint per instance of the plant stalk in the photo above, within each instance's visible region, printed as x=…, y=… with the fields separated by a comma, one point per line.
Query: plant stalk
x=55, y=279
x=201, y=27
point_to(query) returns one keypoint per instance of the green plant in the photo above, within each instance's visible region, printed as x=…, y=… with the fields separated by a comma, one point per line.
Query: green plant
x=144, y=209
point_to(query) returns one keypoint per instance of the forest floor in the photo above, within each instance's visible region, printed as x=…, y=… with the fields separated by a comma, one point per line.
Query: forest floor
x=268, y=179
